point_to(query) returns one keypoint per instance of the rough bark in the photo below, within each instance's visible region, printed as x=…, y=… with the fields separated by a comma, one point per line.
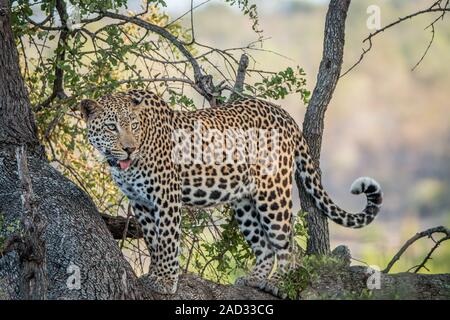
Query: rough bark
x=75, y=237
x=31, y=247
x=16, y=121
x=313, y=125
x=121, y=226
x=240, y=78
x=193, y=287
x=339, y=280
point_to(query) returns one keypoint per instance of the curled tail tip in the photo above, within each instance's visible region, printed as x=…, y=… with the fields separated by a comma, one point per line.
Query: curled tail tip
x=365, y=185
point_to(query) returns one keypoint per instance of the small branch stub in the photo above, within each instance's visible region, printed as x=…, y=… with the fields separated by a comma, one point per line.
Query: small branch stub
x=240, y=78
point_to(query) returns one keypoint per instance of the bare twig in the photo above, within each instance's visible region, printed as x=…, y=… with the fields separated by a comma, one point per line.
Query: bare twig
x=192, y=25
x=431, y=25
x=58, y=83
x=426, y=50
x=435, y=7
x=42, y=23
x=191, y=250
x=417, y=236
x=187, y=12
x=436, y=245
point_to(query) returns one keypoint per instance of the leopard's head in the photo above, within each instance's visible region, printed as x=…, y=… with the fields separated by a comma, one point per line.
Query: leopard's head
x=114, y=128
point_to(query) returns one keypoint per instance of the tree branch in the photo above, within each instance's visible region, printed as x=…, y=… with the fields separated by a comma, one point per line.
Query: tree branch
x=313, y=124
x=120, y=226
x=41, y=25
x=435, y=7
x=240, y=78
x=58, y=83
x=417, y=236
x=436, y=245
x=194, y=287
x=204, y=82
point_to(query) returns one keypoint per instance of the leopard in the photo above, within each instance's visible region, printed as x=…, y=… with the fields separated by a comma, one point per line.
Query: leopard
x=245, y=154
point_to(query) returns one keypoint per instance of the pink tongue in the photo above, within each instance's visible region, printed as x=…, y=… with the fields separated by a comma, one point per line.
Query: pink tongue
x=124, y=164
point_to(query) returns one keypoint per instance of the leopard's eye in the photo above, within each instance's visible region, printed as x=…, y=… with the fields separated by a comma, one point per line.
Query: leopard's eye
x=134, y=125
x=111, y=126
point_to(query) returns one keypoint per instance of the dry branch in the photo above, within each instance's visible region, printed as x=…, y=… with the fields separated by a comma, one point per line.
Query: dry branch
x=120, y=226
x=428, y=256
x=58, y=83
x=203, y=82
x=435, y=7
x=417, y=236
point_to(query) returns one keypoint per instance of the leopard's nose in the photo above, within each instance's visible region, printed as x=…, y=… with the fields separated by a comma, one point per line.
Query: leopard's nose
x=130, y=150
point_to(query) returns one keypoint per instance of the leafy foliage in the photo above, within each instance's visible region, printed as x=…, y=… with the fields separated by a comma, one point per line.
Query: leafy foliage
x=281, y=84
x=250, y=10
x=179, y=99
x=310, y=269
x=217, y=249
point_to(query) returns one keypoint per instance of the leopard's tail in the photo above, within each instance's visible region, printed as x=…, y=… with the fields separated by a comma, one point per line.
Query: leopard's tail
x=310, y=179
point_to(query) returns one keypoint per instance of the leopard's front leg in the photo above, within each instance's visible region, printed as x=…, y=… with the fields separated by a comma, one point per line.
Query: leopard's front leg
x=145, y=213
x=165, y=244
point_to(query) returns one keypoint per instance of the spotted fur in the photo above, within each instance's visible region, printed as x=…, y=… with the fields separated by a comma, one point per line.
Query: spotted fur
x=135, y=132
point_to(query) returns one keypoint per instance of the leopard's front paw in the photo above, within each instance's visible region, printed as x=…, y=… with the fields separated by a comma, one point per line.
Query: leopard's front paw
x=163, y=285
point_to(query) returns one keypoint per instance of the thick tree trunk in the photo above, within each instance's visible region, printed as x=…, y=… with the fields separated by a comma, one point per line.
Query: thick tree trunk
x=82, y=259
x=313, y=125
x=17, y=124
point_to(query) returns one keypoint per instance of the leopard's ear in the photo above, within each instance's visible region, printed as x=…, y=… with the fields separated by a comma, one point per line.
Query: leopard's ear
x=88, y=108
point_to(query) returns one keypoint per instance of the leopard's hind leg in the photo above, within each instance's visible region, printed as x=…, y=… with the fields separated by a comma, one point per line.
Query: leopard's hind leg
x=249, y=223
x=275, y=211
